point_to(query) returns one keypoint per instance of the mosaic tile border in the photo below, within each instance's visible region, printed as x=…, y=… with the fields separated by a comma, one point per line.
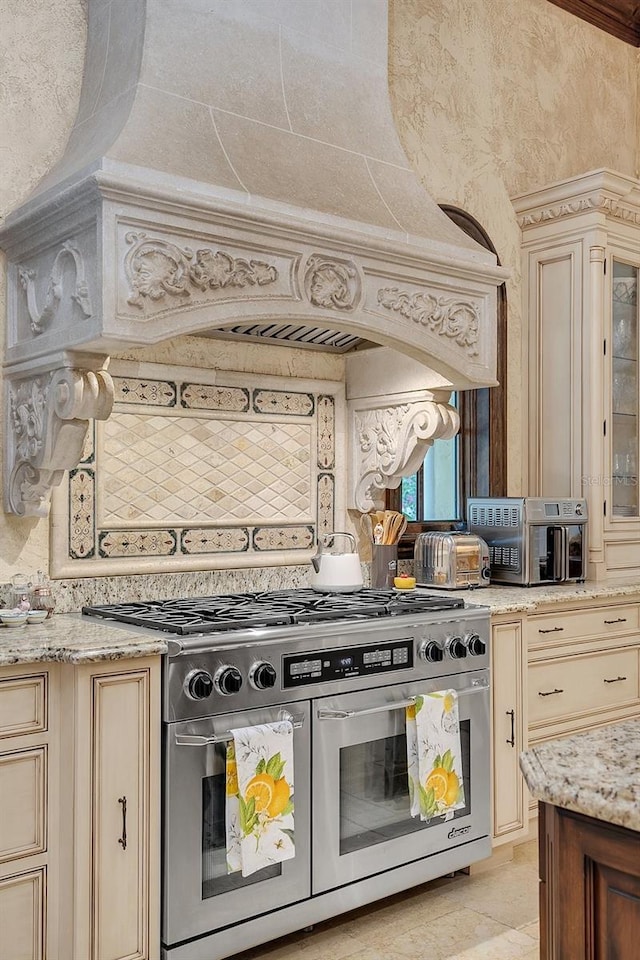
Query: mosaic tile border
x=91, y=550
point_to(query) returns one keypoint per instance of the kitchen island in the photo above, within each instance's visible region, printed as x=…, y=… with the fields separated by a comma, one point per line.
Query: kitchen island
x=588, y=789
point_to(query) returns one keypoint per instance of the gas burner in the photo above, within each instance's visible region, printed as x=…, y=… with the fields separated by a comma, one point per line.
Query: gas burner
x=241, y=611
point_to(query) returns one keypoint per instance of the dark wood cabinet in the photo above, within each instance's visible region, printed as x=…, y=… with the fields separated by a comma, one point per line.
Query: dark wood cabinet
x=589, y=888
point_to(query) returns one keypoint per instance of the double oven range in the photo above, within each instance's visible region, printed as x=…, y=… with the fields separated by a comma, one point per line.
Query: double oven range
x=342, y=667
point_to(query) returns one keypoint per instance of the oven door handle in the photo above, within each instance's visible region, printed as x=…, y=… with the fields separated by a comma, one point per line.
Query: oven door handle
x=477, y=686
x=193, y=740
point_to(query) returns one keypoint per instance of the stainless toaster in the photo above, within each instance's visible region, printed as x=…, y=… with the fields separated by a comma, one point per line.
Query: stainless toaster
x=452, y=560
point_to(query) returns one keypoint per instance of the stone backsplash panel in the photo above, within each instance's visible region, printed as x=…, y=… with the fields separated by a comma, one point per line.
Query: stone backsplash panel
x=202, y=470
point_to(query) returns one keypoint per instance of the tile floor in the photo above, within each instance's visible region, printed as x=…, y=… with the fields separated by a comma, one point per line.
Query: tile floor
x=490, y=915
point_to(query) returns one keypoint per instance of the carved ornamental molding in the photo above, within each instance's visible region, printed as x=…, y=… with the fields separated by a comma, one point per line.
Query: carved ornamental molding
x=595, y=202
x=456, y=319
x=332, y=283
x=48, y=421
x=156, y=269
x=41, y=319
x=390, y=443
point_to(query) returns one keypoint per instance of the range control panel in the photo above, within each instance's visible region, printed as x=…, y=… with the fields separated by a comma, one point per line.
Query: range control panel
x=322, y=665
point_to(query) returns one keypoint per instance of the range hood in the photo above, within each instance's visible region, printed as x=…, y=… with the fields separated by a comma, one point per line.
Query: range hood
x=233, y=170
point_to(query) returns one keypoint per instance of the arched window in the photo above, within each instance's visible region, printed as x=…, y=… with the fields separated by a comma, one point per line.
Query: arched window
x=474, y=462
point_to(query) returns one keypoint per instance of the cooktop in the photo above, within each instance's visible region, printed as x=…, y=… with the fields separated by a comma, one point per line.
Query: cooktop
x=239, y=611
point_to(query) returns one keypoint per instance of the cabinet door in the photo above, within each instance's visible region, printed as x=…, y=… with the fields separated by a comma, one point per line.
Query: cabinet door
x=122, y=830
x=590, y=895
x=22, y=899
x=510, y=818
x=109, y=874
x=625, y=432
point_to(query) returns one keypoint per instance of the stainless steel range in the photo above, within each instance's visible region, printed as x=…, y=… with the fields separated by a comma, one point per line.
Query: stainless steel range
x=342, y=668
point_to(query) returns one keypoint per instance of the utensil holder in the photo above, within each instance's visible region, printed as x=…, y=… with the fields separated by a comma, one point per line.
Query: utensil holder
x=384, y=565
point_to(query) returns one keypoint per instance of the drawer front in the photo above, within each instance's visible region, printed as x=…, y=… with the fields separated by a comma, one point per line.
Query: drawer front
x=22, y=916
x=571, y=685
x=23, y=705
x=579, y=624
x=23, y=784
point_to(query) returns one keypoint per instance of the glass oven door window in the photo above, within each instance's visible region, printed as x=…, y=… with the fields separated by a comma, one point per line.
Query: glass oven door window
x=198, y=893
x=362, y=819
x=374, y=792
x=215, y=879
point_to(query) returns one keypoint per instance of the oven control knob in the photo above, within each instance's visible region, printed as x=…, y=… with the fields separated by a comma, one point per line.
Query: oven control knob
x=262, y=676
x=476, y=645
x=456, y=648
x=228, y=680
x=199, y=685
x=431, y=651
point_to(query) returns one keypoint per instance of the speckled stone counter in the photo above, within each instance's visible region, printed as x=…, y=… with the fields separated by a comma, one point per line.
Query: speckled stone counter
x=71, y=638
x=596, y=773
x=505, y=599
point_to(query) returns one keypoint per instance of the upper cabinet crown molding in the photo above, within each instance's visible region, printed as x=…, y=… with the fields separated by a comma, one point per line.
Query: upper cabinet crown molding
x=620, y=18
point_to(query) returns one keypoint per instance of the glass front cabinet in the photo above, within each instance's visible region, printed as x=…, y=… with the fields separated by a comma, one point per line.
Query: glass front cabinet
x=624, y=389
x=581, y=270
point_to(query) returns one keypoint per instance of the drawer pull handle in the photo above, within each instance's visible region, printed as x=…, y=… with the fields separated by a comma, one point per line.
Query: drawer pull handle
x=549, y=693
x=615, y=680
x=619, y=620
x=123, y=839
x=512, y=739
x=552, y=630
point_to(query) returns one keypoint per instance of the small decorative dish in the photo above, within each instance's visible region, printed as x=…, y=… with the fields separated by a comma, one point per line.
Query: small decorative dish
x=37, y=616
x=13, y=618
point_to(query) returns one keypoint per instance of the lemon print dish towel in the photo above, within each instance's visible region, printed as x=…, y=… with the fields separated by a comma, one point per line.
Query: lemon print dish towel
x=259, y=797
x=434, y=755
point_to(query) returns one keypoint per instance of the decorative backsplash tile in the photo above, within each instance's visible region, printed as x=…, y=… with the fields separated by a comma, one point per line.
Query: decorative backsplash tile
x=193, y=473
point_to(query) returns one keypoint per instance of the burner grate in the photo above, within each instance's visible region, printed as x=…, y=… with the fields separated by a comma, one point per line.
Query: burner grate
x=241, y=611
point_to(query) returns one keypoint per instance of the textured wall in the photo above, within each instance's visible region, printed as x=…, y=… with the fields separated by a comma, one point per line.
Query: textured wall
x=41, y=58
x=491, y=98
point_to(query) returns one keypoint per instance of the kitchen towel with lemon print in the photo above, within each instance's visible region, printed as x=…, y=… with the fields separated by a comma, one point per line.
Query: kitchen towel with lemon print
x=434, y=755
x=259, y=797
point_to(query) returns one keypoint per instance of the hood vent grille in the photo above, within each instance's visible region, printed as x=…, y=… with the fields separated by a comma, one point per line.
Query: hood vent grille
x=316, y=338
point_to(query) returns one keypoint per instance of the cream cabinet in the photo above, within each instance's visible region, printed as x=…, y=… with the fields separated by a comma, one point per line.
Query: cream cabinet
x=584, y=668
x=509, y=723
x=111, y=783
x=28, y=783
x=581, y=266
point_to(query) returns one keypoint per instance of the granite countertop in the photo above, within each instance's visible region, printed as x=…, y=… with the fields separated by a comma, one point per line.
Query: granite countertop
x=71, y=638
x=596, y=773
x=506, y=599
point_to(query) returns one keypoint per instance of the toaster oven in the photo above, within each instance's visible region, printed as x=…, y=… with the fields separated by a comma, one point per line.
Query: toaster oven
x=532, y=540
x=452, y=560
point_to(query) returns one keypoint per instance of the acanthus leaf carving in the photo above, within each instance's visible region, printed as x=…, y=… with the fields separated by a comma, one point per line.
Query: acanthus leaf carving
x=156, y=268
x=391, y=442
x=49, y=421
x=332, y=283
x=40, y=320
x=456, y=319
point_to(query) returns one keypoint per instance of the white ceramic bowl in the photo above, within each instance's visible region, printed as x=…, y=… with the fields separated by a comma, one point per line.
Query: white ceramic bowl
x=12, y=619
x=36, y=616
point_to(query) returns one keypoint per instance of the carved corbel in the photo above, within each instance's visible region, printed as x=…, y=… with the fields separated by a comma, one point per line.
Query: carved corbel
x=390, y=442
x=48, y=420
